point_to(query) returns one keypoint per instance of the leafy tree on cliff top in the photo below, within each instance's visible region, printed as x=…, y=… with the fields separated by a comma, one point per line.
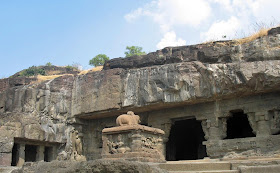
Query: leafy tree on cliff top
x=133, y=50
x=98, y=60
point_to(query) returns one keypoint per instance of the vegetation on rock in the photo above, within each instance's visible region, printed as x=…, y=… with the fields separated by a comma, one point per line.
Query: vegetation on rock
x=98, y=60
x=33, y=71
x=134, y=50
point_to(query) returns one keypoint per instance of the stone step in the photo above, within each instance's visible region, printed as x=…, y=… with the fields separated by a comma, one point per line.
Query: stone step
x=220, y=171
x=7, y=169
x=195, y=166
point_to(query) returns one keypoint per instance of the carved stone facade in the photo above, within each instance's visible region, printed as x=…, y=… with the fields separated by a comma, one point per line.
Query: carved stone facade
x=132, y=141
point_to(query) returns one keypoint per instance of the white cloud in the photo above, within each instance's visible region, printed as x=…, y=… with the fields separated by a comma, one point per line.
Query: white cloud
x=222, y=30
x=225, y=3
x=212, y=19
x=266, y=10
x=170, y=39
x=169, y=13
x=133, y=15
x=244, y=14
x=184, y=12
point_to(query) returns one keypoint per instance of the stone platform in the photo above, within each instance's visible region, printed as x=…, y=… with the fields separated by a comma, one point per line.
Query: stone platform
x=134, y=143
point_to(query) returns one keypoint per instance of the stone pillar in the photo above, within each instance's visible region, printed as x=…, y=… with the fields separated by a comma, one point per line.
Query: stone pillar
x=252, y=121
x=40, y=153
x=262, y=120
x=214, y=129
x=21, y=158
x=136, y=142
x=260, y=123
x=166, y=128
x=53, y=153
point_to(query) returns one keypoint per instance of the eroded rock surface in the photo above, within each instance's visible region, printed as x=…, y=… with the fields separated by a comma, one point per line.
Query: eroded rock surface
x=97, y=166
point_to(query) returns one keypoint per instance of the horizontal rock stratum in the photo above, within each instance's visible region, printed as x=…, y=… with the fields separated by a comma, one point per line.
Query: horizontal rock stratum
x=171, y=76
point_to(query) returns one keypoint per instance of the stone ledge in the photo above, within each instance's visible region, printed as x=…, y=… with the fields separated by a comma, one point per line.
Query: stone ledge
x=135, y=156
x=132, y=127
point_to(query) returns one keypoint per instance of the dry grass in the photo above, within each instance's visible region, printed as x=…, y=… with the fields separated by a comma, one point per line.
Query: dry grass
x=98, y=68
x=41, y=78
x=260, y=33
x=53, y=72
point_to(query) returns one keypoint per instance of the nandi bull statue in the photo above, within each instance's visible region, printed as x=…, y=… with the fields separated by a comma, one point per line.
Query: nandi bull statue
x=128, y=119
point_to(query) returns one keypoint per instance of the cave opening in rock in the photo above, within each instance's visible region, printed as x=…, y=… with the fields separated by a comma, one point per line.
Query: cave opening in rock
x=238, y=126
x=185, y=141
x=30, y=153
x=15, y=154
x=47, y=154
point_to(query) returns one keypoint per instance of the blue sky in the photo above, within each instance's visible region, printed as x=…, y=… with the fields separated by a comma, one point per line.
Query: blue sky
x=64, y=32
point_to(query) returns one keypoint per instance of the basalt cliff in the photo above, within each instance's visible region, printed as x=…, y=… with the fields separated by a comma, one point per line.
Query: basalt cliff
x=209, y=82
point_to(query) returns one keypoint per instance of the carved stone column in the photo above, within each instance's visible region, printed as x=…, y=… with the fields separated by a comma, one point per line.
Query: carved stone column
x=263, y=125
x=40, y=153
x=136, y=141
x=53, y=153
x=214, y=129
x=21, y=159
x=252, y=121
x=260, y=123
x=274, y=116
x=166, y=128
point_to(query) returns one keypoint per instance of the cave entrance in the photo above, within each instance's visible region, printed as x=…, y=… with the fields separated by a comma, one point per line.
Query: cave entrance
x=185, y=141
x=48, y=154
x=15, y=154
x=238, y=126
x=30, y=153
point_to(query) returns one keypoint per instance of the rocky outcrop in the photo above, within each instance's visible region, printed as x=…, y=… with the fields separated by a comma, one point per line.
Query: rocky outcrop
x=170, y=85
x=14, y=82
x=180, y=75
x=19, y=80
x=262, y=49
x=98, y=166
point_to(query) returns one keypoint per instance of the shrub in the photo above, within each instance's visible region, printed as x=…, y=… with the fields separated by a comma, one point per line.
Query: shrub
x=33, y=71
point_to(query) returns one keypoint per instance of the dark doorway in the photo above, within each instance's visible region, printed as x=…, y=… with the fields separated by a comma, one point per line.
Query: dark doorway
x=47, y=154
x=238, y=126
x=30, y=153
x=15, y=154
x=185, y=141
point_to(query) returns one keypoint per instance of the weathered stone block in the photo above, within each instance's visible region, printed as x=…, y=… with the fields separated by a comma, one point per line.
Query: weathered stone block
x=256, y=146
x=5, y=159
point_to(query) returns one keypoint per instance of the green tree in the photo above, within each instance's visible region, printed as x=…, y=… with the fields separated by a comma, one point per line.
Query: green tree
x=98, y=60
x=133, y=50
x=49, y=64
